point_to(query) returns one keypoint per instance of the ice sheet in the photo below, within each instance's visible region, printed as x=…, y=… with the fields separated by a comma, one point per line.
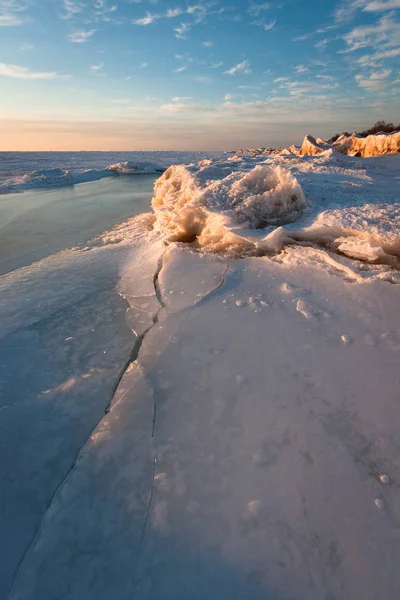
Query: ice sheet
x=249, y=446
x=269, y=413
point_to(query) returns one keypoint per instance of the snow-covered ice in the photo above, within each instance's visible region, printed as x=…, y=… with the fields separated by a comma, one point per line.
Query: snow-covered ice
x=240, y=440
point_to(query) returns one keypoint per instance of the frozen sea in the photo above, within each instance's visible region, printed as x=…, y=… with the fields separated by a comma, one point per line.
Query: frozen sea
x=199, y=377
x=54, y=200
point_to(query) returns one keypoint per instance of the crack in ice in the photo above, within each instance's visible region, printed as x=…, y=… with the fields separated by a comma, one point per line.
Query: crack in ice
x=132, y=358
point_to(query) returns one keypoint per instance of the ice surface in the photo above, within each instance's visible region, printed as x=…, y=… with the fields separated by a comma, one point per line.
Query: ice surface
x=232, y=443
x=243, y=455
x=64, y=340
x=35, y=224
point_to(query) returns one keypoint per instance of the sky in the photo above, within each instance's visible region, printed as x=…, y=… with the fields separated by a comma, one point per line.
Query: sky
x=183, y=75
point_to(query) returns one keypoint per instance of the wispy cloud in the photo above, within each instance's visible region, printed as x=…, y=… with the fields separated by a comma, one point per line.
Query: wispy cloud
x=347, y=9
x=198, y=12
x=10, y=13
x=375, y=59
x=243, y=68
x=301, y=69
x=208, y=44
x=182, y=31
x=72, y=8
x=80, y=37
x=19, y=72
x=173, y=12
x=376, y=80
x=384, y=34
x=98, y=69
x=255, y=9
x=266, y=25
x=382, y=5
x=147, y=20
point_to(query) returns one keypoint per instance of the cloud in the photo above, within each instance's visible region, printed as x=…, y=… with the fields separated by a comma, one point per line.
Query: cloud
x=208, y=44
x=267, y=26
x=181, y=98
x=242, y=68
x=26, y=47
x=376, y=80
x=173, y=12
x=72, y=8
x=301, y=69
x=199, y=11
x=303, y=36
x=255, y=9
x=180, y=69
x=348, y=8
x=79, y=37
x=25, y=73
x=10, y=13
x=373, y=60
x=97, y=69
x=182, y=30
x=382, y=5
x=147, y=20
x=384, y=34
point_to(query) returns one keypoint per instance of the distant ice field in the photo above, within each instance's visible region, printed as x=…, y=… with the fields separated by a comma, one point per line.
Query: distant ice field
x=20, y=171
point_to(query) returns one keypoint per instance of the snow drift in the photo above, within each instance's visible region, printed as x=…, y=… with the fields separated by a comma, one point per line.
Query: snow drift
x=211, y=203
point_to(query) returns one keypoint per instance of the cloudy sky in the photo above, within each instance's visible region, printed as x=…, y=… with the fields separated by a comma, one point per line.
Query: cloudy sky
x=218, y=74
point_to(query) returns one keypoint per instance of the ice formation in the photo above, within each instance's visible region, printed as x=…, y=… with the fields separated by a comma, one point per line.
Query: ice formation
x=212, y=203
x=353, y=145
x=131, y=168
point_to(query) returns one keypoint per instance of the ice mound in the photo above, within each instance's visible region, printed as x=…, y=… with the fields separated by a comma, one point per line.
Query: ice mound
x=212, y=203
x=132, y=168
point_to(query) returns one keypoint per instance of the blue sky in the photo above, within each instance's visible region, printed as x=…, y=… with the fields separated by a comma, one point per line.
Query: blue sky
x=156, y=74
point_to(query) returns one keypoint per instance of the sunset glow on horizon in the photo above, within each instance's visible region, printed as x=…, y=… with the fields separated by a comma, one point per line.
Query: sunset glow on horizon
x=146, y=75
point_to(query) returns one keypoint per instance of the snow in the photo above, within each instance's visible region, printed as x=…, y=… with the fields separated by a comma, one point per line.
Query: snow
x=240, y=439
